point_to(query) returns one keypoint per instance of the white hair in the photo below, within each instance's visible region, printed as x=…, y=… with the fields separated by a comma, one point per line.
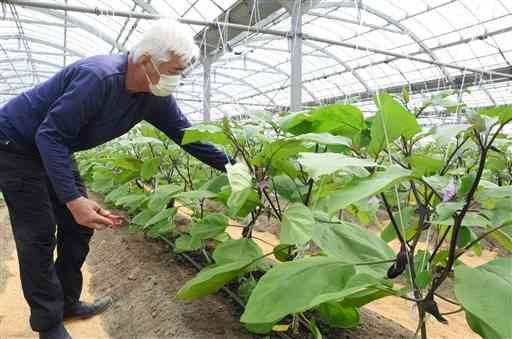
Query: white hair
x=164, y=37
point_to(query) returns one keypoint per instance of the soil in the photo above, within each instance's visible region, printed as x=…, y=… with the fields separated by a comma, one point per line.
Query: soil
x=14, y=311
x=6, y=248
x=143, y=280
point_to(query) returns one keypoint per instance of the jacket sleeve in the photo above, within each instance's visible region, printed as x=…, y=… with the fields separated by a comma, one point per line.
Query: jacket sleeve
x=62, y=124
x=171, y=120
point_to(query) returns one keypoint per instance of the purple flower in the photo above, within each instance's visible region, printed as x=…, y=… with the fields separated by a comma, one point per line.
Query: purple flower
x=449, y=191
x=262, y=184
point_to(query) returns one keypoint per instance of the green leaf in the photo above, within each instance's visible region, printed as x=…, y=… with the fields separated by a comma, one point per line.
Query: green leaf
x=338, y=119
x=283, y=252
x=335, y=315
x=143, y=217
x=195, y=195
x=211, y=280
x=239, y=177
x=437, y=182
x=365, y=188
x=296, y=123
x=423, y=165
x=186, y=243
x=504, y=113
x=324, y=139
x=297, y=225
x=242, y=203
x=160, y=228
x=404, y=222
x=162, y=196
x=495, y=193
x=352, y=244
x=287, y=188
x=296, y=286
x=278, y=151
x=118, y=193
x=211, y=226
x=150, y=168
x=236, y=250
x=205, y=133
x=318, y=164
x=423, y=279
x=446, y=133
x=373, y=289
x=129, y=163
x=259, y=328
x=216, y=183
x=485, y=293
x=471, y=219
x=162, y=215
x=447, y=209
x=476, y=120
x=502, y=238
x=132, y=201
x=125, y=176
x=391, y=121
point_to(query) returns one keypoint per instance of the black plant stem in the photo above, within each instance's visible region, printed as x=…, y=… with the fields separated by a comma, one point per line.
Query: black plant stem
x=450, y=158
x=459, y=217
x=276, y=211
x=438, y=245
x=393, y=221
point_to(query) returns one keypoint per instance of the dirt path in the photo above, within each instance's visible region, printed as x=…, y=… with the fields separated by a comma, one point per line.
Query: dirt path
x=14, y=311
x=143, y=279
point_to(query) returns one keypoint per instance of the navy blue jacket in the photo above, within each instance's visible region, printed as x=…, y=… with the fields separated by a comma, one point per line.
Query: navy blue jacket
x=85, y=105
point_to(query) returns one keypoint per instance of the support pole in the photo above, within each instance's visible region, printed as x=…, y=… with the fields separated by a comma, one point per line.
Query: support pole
x=207, y=90
x=296, y=57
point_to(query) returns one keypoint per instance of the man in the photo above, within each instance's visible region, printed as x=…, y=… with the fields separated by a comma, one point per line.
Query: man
x=84, y=105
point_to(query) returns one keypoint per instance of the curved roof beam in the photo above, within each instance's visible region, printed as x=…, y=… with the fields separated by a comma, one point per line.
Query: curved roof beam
x=272, y=67
x=399, y=25
x=248, y=84
x=226, y=94
x=81, y=24
x=341, y=62
x=42, y=42
x=21, y=75
x=37, y=61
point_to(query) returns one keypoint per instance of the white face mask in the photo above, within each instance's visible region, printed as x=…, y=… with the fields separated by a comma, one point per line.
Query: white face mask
x=167, y=84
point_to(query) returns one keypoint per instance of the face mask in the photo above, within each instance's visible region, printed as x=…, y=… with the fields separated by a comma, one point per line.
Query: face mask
x=167, y=84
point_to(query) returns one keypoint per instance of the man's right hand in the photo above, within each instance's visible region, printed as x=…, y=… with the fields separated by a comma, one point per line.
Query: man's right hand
x=89, y=213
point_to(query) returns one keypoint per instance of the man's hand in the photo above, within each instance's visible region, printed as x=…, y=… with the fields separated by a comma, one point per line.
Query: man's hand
x=89, y=214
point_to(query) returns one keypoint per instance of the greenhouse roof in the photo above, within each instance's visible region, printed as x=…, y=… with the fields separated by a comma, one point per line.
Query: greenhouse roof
x=348, y=49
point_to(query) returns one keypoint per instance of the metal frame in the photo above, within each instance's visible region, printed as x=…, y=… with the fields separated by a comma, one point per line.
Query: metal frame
x=98, y=11
x=296, y=57
x=296, y=37
x=269, y=66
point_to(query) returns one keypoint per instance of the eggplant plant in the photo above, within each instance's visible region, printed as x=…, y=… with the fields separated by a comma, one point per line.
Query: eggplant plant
x=321, y=175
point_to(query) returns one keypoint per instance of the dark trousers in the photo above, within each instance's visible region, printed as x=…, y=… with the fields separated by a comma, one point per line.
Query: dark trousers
x=40, y=222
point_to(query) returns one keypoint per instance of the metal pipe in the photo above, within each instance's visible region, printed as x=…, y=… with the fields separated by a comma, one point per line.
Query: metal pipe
x=296, y=57
x=353, y=22
x=286, y=34
x=220, y=102
x=207, y=90
x=127, y=14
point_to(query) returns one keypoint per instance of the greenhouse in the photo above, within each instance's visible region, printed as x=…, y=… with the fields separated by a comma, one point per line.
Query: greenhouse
x=255, y=169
